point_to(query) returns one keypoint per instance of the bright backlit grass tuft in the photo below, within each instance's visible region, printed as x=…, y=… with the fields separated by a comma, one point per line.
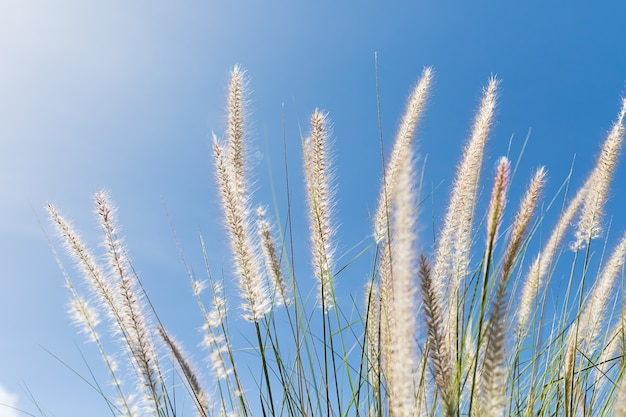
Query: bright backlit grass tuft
x=461, y=327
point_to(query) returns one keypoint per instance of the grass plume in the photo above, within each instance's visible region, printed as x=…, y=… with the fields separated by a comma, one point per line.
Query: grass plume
x=230, y=168
x=460, y=326
x=318, y=175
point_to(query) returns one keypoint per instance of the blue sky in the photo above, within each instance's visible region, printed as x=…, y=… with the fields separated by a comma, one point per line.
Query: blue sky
x=125, y=95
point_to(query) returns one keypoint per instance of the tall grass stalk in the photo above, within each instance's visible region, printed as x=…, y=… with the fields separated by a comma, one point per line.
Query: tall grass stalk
x=459, y=326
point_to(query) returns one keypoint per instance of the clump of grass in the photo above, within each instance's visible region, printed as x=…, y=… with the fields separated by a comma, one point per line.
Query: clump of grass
x=464, y=330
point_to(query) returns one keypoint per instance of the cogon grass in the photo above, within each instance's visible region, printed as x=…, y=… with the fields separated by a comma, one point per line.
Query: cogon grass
x=459, y=329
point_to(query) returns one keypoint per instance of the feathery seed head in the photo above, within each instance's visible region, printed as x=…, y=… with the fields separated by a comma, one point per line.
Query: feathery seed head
x=403, y=239
x=131, y=319
x=538, y=269
x=387, y=316
x=84, y=316
x=591, y=317
x=402, y=149
x=320, y=194
x=116, y=254
x=615, y=344
x=232, y=183
x=213, y=340
x=454, y=240
x=198, y=287
x=404, y=140
x=272, y=262
x=114, y=292
x=191, y=376
x=215, y=317
x=522, y=220
x=218, y=349
x=372, y=335
x=236, y=123
x=590, y=223
x=619, y=406
x=92, y=273
x=437, y=347
x=492, y=377
x=498, y=198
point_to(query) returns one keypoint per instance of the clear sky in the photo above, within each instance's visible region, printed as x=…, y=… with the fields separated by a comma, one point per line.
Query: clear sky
x=124, y=96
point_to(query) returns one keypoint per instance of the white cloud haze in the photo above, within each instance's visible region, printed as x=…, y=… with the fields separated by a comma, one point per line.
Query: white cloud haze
x=8, y=403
